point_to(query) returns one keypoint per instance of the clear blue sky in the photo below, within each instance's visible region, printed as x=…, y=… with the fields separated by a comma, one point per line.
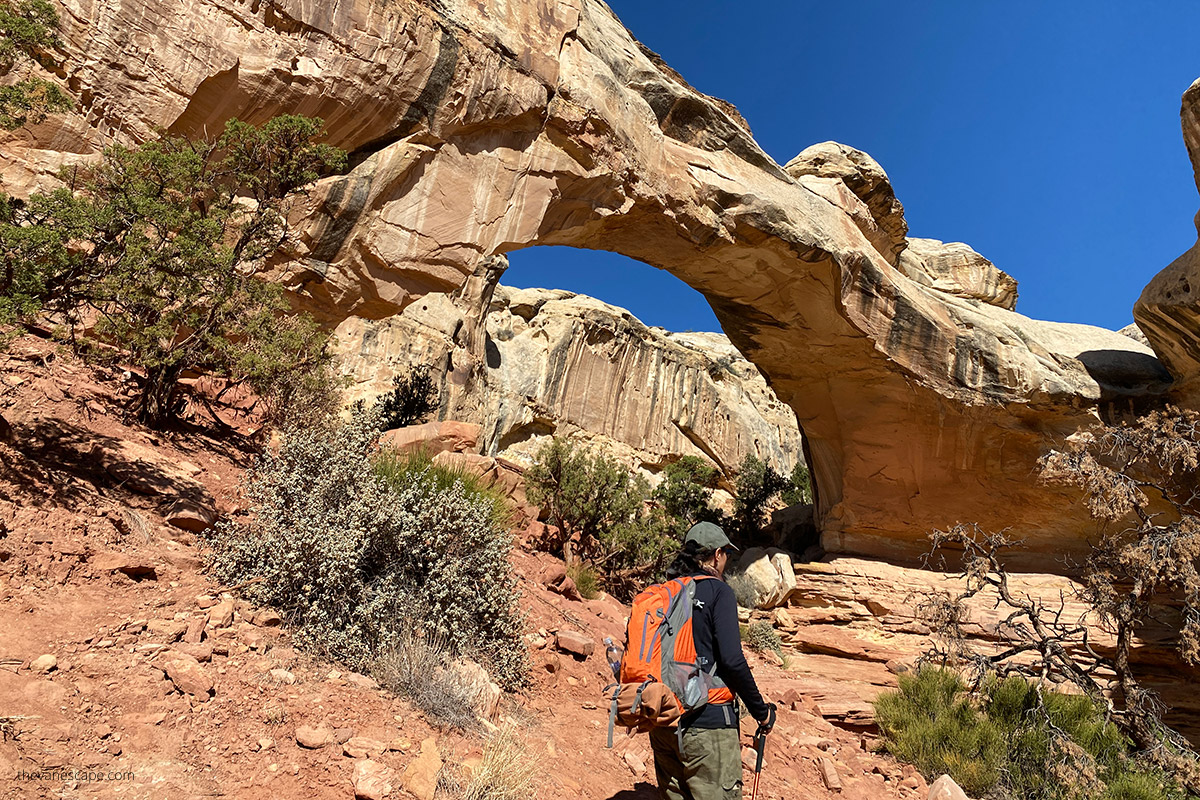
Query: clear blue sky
x=1044, y=134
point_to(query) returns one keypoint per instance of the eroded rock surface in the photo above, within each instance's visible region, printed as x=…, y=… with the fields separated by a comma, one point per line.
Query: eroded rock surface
x=553, y=362
x=955, y=268
x=1168, y=312
x=480, y=128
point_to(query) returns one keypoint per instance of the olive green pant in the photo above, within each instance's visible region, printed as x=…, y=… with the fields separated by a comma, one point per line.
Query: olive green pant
x=709, y=766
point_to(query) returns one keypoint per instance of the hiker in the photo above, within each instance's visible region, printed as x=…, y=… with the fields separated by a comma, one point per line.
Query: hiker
x=701, y=759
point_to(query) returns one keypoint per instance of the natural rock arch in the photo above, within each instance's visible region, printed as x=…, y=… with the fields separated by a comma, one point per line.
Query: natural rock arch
x=478, y=129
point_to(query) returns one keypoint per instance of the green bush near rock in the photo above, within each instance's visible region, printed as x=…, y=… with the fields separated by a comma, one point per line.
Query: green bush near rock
x=356, y=552
x=1013, y=740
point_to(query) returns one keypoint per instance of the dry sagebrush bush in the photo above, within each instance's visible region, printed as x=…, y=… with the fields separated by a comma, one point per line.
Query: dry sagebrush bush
x=351, y=556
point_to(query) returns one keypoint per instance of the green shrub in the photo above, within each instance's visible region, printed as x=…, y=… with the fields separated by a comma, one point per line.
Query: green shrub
x=757, y=485
x=684, y=493
x=354, y=558
x=585, y=578
x=1015, y=740
x=932, y=723
x=411, y=399
x=28, y=32
x=799, y=489
x=165, y=245
x=743, y=589
x=602, y=504
x=762, y=636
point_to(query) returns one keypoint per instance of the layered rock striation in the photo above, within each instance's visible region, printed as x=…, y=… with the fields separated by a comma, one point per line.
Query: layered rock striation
x=477, y=129
x=552, y=362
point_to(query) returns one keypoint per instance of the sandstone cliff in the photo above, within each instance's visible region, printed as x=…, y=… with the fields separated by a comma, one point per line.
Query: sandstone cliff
x=554, y=362
x=480, y=128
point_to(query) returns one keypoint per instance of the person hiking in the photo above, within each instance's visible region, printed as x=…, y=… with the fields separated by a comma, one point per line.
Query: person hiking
x=702, y=758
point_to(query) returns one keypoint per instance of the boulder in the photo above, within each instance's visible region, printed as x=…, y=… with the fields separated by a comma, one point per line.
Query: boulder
x=432, y=438
x=769, y=573
x=863, y=176
x=191, y=515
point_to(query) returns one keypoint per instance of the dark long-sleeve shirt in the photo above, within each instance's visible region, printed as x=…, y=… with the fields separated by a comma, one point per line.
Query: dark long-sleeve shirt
x=715, y=629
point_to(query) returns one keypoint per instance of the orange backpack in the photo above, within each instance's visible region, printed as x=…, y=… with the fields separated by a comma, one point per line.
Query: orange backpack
x=660, y=680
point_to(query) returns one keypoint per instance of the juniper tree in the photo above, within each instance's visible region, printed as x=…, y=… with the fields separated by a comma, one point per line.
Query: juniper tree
x=162, y=247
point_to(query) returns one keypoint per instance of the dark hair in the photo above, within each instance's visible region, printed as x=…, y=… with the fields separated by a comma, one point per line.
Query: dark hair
x=690, y=560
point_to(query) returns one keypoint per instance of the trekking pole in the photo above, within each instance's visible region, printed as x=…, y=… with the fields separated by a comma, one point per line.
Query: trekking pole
x=760, y=746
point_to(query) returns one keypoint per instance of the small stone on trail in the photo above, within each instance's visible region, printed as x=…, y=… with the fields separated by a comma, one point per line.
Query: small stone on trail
x=201, y=652
x=266, y=618
x=574, y=643
x=372, y=780
x=43, y=663
x=314, y=738
x=221, y=615
x=944, y=788
x=362, y=681
x=363, y=747
x=188, y=676
x=829, y=775
x=635, y=763
x=170, y=629
x=343, y=735
x=283, y=676
x=191, y=516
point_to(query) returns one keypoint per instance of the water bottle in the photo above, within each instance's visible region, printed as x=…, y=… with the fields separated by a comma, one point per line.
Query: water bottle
x=613, y=653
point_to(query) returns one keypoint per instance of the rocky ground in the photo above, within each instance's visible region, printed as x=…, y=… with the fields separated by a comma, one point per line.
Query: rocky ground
x=124, y=666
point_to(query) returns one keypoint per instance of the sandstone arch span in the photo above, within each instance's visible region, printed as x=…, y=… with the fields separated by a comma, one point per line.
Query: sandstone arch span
x=481, y=128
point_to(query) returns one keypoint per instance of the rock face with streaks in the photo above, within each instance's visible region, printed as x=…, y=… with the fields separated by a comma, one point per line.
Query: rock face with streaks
x=550, y=362
x=478, y=128
x=1168, y=312
x=852, y=623
x=956, y=269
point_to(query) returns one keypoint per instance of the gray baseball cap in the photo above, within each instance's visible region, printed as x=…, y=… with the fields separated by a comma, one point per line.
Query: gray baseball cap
x=709, y=536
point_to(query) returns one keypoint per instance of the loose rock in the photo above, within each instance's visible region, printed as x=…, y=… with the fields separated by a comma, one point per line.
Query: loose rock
x=574, y=643
x=44, y=663
x=188, y=676
x=944, y=788
x=314, y=737
x=372, y=780
x=421, y=775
